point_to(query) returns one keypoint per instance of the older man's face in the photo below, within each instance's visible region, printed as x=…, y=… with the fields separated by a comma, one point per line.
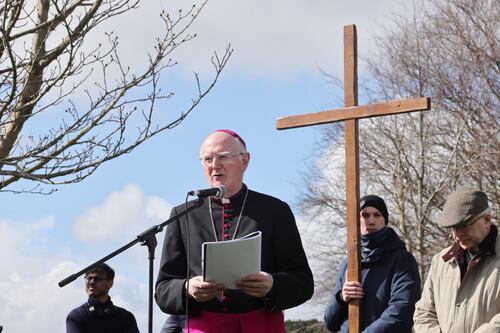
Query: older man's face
x=224, y=162
x=469, y=236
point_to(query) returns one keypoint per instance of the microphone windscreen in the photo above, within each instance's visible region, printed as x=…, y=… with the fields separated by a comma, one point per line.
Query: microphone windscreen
x=222, y=190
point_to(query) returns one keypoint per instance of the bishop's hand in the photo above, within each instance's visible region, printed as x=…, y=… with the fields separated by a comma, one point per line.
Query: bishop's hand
x=203, y=291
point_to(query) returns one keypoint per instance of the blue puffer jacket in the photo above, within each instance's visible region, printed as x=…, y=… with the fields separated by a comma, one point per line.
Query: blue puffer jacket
x=390, y=279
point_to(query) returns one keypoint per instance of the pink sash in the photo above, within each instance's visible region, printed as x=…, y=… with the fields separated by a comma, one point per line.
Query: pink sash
x=259, y=321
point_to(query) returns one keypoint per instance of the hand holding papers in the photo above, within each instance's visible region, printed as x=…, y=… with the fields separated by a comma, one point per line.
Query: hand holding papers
x=225, y=262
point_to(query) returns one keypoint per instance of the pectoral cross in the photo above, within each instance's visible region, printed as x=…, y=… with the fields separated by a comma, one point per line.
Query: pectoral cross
x=350, y=114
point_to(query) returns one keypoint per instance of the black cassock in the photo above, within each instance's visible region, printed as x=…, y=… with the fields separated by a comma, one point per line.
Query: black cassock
x=282, y=254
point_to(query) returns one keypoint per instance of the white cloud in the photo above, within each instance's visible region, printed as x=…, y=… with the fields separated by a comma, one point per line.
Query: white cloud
x=282, y=37
x=33, y=263
x=123, y=213
x=29, y=295
x=270, y=38
x=22, y=240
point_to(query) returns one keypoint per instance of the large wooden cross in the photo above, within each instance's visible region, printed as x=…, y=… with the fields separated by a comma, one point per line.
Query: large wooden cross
x=350, y=114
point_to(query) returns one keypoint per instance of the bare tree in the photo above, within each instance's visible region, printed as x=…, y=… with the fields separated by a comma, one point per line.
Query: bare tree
x=448, y=50
x=100, y=108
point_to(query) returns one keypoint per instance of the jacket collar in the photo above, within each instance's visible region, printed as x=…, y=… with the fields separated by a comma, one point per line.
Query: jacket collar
x=93, y=302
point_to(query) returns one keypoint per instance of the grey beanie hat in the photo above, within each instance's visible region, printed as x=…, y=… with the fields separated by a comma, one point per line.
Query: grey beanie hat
x=462, y=206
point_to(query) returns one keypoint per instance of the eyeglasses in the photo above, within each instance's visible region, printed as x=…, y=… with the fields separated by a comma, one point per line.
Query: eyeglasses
x=96, y=278
x=221, y=157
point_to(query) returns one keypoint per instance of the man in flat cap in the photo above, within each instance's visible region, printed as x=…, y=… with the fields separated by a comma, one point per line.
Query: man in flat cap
x=462, y=290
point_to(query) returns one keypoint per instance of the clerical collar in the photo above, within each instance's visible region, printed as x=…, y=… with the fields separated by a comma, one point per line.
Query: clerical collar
x=235, y=199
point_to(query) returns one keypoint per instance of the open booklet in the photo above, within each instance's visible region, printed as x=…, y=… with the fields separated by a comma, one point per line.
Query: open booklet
x=227, y=261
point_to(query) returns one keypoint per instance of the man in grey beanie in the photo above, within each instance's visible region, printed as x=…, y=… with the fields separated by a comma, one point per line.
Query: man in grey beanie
x=462, y=290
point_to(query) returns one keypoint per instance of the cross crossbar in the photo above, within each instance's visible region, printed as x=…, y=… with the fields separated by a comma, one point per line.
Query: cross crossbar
x=353, y=112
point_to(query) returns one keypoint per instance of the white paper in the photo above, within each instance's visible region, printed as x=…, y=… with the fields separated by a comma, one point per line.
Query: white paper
x=227, y=261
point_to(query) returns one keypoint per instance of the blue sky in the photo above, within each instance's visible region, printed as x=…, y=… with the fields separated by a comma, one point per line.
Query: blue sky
x=279, y=49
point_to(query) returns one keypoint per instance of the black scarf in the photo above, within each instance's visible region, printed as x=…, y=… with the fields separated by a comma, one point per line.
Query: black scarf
x=375, y=244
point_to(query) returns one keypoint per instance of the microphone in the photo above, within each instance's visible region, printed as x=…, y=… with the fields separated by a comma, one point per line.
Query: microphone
x=218, y=191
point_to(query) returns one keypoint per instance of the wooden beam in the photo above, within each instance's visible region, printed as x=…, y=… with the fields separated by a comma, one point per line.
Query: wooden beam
x=352, y=218
x=352, y=170
x=354, y=112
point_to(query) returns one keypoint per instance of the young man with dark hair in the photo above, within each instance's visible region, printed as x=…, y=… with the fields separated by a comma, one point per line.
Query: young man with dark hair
x=99, y=314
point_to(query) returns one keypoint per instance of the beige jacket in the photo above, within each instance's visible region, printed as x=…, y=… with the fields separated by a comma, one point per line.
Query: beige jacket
x=473, y=305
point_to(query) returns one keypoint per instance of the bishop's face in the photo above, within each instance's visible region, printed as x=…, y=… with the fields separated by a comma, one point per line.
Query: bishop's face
x=224, y=161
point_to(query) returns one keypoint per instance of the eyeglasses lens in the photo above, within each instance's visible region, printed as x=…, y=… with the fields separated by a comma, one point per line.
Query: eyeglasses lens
x=96, y=279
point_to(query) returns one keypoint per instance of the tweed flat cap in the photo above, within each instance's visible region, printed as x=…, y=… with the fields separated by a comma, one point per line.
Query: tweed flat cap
x=462, y=206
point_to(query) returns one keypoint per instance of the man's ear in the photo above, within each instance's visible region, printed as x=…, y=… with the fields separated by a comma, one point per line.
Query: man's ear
x=246, y=160
x=110, y=283
x=487, y=218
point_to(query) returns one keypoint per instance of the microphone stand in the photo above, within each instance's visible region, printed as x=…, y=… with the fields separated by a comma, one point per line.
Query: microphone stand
x=147, y=238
